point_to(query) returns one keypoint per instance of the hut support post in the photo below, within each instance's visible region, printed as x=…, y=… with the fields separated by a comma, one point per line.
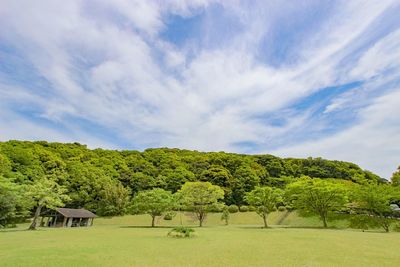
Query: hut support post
x=65, y=222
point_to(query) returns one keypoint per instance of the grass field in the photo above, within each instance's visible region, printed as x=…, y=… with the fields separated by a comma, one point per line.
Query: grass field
x=124, y=241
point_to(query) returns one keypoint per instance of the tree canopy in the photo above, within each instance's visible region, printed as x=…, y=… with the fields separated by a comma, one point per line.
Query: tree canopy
x=372, y=204
x=396, y=177
x=265, y=200
x=200, y=198
x=45, y=193
x=317, y=196
x=154, y=202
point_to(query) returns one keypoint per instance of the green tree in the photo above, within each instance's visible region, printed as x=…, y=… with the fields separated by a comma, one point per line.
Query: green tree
x=372, y=203
x=154, y=202
x=396, y=177
x=46, y=193
x=174, y=179
x=200, y=198
x=114, y=199
x=316, y=196
x=225, y=216
x=264, y=199
x=13, y=206
x=217, y=175
x=246, y=179
x=5, y=165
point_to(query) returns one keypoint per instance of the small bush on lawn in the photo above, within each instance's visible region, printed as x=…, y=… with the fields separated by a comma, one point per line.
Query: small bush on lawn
x=217, y=208
x=244, y=209
x=169, y=215
x=252, y=208
x=396, y=228
x=233, y=209
x=181, y=231
x=282, y=208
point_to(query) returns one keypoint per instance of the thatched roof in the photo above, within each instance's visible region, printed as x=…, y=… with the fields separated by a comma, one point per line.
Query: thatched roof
x=76, y=213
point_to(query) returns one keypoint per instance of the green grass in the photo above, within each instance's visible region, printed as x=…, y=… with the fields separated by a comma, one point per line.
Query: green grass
x=123, y=241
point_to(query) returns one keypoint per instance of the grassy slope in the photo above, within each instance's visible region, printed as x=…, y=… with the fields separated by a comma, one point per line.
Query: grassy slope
x=122, y=242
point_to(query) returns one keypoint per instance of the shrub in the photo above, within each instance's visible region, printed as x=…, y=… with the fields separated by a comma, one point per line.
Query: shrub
x=217, y=208
x=244, y=209
x=233, y=209
x=169, y=215
x=396, y=228
x=281, y=208
x=225, y=216
x=252, y=208
x=181, y=231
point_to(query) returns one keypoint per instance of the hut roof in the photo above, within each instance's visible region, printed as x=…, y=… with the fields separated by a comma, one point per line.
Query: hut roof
x=76, y=213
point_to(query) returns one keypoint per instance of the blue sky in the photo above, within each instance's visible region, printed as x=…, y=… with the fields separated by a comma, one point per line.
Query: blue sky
x=290, y=78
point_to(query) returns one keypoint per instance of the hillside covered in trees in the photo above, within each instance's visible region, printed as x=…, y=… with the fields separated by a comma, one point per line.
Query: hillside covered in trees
x=105, y=180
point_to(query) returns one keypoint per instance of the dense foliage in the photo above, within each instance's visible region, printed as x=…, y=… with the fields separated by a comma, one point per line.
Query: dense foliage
x=316, y=196
x=396, y=177
x=372, y=205
x=105, y=181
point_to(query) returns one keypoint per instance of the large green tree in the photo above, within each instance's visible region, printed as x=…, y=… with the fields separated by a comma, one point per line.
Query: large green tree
x=154, y=202
x=113, y=199
x=13, y=205
x=371, y=203
x=200, y=198
x=265, y=200
x=45, y=193
x=317, y=196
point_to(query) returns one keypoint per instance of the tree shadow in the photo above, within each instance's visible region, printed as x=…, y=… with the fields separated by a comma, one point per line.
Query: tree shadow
x=14, y=230
x=145, y=226
x=289, y=227
x=159, y=226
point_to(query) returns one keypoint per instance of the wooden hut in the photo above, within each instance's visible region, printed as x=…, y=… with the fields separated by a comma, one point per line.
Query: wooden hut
x=63, y=217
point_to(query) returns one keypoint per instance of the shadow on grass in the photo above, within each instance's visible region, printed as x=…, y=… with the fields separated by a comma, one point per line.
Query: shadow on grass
x=289, y=227
x=15, y=230
x=146, y=227
x=374, y=231
x=162, y=226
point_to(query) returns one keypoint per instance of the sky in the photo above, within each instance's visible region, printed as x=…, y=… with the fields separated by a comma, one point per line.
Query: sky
x=288, y=78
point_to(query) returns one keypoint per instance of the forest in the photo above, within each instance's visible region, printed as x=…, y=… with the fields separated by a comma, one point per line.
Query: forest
x=105, y=180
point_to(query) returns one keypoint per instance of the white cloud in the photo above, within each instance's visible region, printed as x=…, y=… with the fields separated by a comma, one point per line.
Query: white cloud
x=373, y=143
x=384, y=55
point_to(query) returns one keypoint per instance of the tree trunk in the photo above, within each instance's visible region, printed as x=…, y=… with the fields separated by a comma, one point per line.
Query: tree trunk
x=323, y=217
x=153, y=221
x=34, y=221
x=265, y=221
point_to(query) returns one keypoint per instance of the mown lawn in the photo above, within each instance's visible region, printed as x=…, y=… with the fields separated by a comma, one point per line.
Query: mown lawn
x=124, y=242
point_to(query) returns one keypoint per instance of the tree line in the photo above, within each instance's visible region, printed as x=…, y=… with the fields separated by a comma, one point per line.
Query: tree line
x=105, y=181
x=367, y=206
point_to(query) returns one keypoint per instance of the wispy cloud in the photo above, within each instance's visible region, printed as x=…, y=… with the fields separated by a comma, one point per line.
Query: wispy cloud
x=311, y=78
